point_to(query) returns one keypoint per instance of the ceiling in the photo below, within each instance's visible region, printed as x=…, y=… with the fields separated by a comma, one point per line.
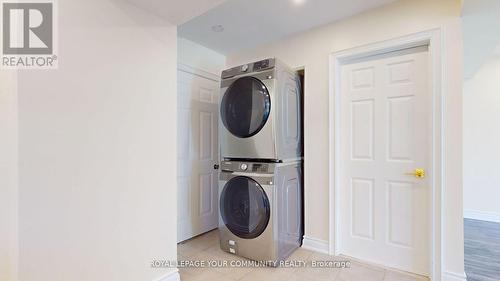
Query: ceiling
x=497, y=51
x=175, y=11
x=481, y=34
x=250, y=23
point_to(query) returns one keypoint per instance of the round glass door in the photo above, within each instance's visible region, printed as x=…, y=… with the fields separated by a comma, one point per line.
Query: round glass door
x=245, y=107
x=244, y=207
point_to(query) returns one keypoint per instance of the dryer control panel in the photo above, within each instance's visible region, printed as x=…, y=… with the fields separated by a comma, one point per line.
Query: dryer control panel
x=248, y=68
x=261, y=65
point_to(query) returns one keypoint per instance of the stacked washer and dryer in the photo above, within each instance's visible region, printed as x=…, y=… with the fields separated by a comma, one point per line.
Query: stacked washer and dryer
x=260, y=184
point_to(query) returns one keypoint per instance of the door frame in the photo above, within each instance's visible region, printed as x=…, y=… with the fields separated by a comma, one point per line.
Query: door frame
x=432, y=39
x=198, y=72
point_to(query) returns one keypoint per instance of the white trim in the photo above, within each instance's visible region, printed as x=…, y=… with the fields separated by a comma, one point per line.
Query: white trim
x=198, y=72
x=314, y=244
x=451, y=276
x=170, y=276
x=482, y=215
x=432, y=38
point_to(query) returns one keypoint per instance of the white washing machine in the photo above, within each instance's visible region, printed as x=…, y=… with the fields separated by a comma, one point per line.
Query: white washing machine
x=260, y=112
x=260, y=209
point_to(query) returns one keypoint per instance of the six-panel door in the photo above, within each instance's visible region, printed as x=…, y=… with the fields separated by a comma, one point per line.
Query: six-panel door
x=197, y=192
x=385, y=137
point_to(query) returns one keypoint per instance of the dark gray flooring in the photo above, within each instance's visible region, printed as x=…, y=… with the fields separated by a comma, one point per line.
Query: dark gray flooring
x=482, y=250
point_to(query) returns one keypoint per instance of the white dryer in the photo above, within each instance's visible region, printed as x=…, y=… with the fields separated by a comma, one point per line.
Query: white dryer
x=260, y=112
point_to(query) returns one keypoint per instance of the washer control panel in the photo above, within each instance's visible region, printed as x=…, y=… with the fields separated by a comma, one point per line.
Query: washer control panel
x=250, y=167
x=260, y=168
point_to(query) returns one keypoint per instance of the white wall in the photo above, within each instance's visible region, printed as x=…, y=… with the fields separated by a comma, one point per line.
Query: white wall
x=481, y=19
x=481, y=142
x=8, y=176
x=97, y=146
x=200, y=57
x=311, y=49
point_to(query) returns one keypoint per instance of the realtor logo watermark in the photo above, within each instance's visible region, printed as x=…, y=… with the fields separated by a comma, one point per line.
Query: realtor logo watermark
x=29, y=34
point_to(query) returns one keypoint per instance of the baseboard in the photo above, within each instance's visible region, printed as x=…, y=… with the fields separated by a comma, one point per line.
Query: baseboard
x=314, y=244
x=171, y=276
x=482, y=215
x=451, y=276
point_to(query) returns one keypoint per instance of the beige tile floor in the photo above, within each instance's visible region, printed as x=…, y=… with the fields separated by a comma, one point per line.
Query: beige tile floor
x=206, y=248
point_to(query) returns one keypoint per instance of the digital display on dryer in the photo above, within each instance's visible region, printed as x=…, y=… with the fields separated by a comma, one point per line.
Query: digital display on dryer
x=261, y=65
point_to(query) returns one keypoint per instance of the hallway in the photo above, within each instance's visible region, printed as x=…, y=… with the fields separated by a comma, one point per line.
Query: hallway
x=206, y=248
x=482, y=250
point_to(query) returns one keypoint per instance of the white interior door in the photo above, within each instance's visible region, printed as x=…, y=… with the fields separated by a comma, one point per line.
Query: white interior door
x=386, y=112
x=197, y=153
